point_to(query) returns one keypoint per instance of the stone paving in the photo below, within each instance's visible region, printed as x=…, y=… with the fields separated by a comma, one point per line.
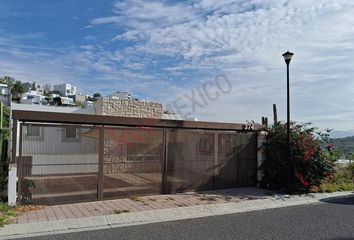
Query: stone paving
x=139, y=204
x=184, y=206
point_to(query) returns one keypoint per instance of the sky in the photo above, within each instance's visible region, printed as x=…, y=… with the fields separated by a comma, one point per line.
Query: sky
x=181, y=53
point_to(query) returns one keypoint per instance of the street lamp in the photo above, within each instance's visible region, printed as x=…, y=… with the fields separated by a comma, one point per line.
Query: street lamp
x=287, y=57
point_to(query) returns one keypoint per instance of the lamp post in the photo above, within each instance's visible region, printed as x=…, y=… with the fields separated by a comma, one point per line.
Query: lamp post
x=287, y=57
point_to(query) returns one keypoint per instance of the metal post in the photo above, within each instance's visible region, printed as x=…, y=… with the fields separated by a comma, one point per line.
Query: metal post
x=14, y=141
x=20, y=140
x=101, y=164
x=14, y=152
x=20, y=165
x=216, y=158
x=164, y=185
x=275, y=114
x=1, y=115
x=290, y=168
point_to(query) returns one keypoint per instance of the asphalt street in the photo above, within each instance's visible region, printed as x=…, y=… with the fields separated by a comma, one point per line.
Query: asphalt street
x=331, y=219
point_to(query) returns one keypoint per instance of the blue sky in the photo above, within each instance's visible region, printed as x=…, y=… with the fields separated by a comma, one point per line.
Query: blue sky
x=162, y=50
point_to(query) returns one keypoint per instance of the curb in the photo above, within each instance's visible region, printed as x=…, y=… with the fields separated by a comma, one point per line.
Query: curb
x=138, y=218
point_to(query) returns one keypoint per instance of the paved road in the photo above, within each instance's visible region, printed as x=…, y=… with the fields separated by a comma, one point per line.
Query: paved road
x=333, y=219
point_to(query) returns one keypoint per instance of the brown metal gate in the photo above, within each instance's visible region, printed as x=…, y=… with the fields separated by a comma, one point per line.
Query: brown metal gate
x=133, y=161
x=64, y=163
x=237, y=160
x=57, y=164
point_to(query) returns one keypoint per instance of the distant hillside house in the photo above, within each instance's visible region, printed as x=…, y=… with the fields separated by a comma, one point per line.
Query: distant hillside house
x=65, y=89
x=63, y=101
x=33, y=86
x=78, y=98
x=4, y=94
x=32, y=97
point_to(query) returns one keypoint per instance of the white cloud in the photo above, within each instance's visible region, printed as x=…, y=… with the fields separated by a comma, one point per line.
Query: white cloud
x=164, y=49
x=245, y=39
x=105, y=20
x=157, y=12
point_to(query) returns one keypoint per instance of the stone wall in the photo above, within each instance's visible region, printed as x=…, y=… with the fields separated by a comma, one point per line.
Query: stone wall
x=128, y=108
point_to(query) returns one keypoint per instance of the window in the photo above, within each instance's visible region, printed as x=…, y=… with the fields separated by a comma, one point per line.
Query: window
x=34, y=132
x=71, y=134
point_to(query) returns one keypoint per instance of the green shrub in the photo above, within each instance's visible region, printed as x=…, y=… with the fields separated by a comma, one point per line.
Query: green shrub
x=5, y=213
x=342, y=180
x=4, y=164
x=312, y=158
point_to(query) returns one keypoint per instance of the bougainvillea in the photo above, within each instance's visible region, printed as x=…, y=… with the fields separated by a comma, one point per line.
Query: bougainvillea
x=310, y=161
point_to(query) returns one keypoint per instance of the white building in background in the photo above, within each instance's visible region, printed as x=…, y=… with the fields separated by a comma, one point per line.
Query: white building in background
x=42, y=108
x=65, y=89
x=47, y=88
x=33, y=86
x=32, y=97
x=63, y=101
x=4, y=94
x=121, y=95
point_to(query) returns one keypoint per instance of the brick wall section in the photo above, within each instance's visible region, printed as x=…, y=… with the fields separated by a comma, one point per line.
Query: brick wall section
x=128, y=108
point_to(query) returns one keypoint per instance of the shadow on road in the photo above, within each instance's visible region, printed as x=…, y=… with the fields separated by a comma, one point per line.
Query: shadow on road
x=342, y=238
x=347, y=200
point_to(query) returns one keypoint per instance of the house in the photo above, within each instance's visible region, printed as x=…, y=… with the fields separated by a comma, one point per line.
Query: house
x=4, y=93
x=65, y=89
x=63, y=101
x=32, y=97
x=33, y=86
x=43, y=108
x=48, y=88
x=78, y=98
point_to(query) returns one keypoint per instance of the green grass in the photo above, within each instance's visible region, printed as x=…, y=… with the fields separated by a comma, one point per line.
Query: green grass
x=120, y=211
x=342, y=181
x=5, y=213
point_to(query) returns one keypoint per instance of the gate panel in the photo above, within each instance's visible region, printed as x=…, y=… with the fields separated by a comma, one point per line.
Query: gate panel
x=133, y=161
x=190, y=163
x=237, y=160
x=247, y=173
x=57, y=164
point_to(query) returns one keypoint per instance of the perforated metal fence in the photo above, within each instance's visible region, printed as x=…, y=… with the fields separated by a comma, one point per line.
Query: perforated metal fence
x=58, y=164
x=64, y=163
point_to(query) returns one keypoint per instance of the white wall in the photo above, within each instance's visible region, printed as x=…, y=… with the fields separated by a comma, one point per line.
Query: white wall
x=90, y=164
x=42, y=108
x=54, y=150
x=62, y=88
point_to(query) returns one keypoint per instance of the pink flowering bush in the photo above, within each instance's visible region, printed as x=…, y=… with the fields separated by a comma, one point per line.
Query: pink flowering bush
x=311, y=160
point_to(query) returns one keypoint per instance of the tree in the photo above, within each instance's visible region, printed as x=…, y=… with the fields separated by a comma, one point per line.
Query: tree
x=94, y=98
x=4, y=135
x=96, y=95
x=7, y=80
x=15, y=85
x=350, y=157
x=33, y=87
x=17, y=90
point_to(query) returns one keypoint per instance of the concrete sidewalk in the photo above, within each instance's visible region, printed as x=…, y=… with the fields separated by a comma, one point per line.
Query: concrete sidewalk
x=139, y=204
x=258, y=201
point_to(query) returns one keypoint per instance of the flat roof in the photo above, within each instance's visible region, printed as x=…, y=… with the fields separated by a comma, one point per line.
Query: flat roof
x=90, y=119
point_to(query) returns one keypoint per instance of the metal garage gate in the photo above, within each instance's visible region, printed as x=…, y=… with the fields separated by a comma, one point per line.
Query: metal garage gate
x=67, y=162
